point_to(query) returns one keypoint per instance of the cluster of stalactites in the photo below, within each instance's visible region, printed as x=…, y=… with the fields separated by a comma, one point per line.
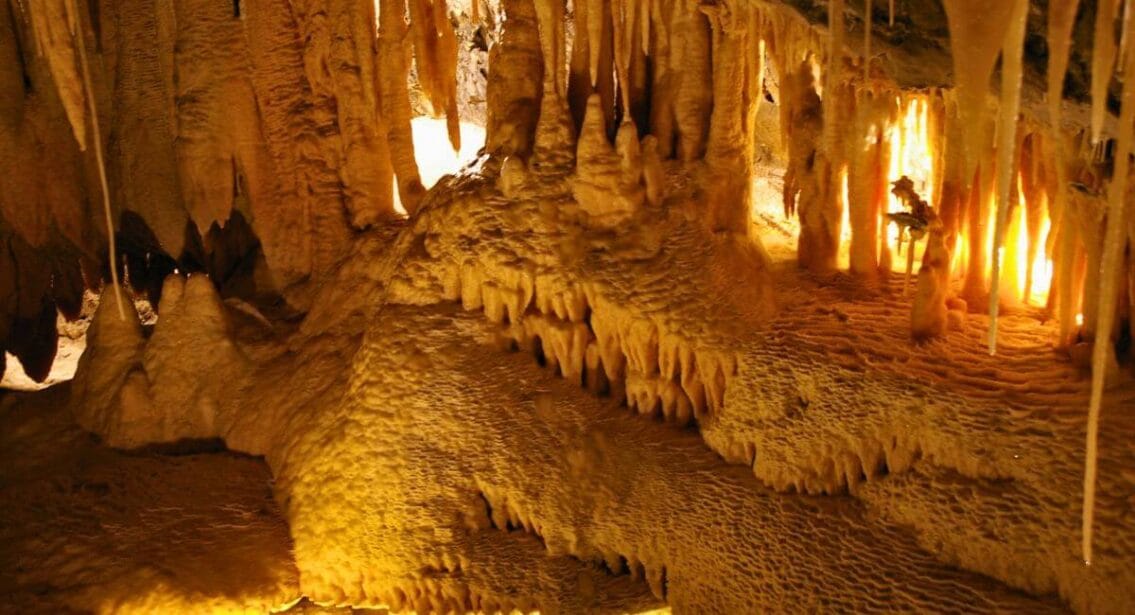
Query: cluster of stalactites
x=1010, y=196
x=688, y=74
x=1089, y=209
x=210, y=133
x=996, y=181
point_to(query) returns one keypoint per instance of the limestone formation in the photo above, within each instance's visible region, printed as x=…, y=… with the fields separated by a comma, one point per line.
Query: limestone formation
x=654, y=346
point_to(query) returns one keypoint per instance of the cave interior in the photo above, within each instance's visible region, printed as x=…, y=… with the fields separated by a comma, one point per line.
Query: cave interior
x=567, y=306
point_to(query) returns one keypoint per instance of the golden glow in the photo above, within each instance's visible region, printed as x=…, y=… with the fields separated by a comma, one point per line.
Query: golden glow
x=908, y=139
x=817, y=75
x=434, y=154
x=844, y=256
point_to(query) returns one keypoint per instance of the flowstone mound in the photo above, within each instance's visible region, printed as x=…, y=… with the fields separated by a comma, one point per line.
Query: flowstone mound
x=444, y=441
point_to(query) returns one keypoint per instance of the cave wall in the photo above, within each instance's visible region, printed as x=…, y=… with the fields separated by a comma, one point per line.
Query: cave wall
x=208, y=110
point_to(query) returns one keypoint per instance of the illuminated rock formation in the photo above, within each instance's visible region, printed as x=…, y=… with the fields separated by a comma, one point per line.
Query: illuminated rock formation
x=572, y=378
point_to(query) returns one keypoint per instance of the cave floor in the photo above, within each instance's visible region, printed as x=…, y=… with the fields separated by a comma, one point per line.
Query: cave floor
x=575, y=487
x=87, y=528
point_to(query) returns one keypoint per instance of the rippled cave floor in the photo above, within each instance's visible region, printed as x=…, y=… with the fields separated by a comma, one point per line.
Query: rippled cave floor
x=88, y=528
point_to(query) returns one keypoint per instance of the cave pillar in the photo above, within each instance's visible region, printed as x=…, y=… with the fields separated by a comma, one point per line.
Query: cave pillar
x=729, y=149
x=515, y=84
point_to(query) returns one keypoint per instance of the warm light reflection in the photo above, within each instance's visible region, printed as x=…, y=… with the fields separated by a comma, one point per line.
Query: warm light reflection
x=1015, y=265
x=909, y=141
x=844, y=256
x=435, y=155
x=817, y=75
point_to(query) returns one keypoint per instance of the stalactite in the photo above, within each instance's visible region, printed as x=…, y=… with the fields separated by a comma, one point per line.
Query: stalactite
x=639, y=77
x=1061, y=20
x=96, y=138
x=832, y=70
x=974, y=290
x=580, y=84
x=1103, y=62
x=596, y=13
x=554, y=129
x=1011, y=75
x=693, y=97
x=1035, y=189
x=867, y=184
x=341, y=50
x=447, y=58
x=622, y=22
x=643, y=20
x=606, y=85
x=395, y=97
x=729, y=148
x=516, y=89
x=891, y=14
x=662, y=86
x=423, y=32
x=867, y=39
x=54, y=25
x=977, y=30
x=435, y=55
x=550, y=23
x=1114, y=239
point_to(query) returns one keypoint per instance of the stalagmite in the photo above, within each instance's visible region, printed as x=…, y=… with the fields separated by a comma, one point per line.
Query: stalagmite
x=928, y=309
x=1104, y=52
x=978, y=208
x=867, y=185
x=1114, y=239
x=652, y=172
x=808, y=179
x=1011, y=75
x=1034, y=188
x=396, y=113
